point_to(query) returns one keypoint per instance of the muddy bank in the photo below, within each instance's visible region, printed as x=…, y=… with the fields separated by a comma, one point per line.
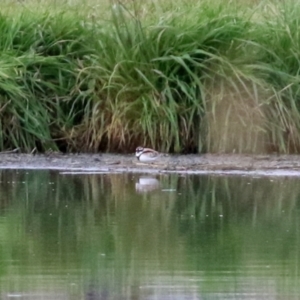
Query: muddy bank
x=208, y=163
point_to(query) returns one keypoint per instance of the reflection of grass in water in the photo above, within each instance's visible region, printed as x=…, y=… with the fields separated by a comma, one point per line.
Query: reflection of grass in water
x=100, y=224
x=241, y=197
x=93, y=222
x=240, y=223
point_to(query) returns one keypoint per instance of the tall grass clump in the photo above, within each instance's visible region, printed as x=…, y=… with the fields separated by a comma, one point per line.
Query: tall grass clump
x=39, y=57
x=152, y=77
x=280, y=64
x=180, y=77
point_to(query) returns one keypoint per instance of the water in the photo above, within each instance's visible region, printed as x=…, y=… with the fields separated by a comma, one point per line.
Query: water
x=120, y=236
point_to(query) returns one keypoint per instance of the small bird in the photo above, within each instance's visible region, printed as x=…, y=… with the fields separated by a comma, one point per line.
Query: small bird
x=146, y=154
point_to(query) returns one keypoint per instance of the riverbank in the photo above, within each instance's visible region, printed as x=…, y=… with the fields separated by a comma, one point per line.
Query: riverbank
x=285, y=165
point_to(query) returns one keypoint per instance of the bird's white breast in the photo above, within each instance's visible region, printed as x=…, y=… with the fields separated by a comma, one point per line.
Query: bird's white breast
x=146, y=157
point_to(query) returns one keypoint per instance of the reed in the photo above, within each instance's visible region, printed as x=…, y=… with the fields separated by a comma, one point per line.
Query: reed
x=181, y=77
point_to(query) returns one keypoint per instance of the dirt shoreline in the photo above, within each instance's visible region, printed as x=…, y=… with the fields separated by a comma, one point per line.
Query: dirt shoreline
x=195, y=164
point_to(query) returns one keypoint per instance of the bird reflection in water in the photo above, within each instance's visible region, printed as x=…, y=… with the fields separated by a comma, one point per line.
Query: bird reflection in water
x=146, y=184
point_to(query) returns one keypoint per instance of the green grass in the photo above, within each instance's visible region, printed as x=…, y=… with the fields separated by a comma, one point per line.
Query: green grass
x=180, y=77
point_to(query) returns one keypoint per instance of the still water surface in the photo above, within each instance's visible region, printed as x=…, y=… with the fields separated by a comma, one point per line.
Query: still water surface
x=124, y=236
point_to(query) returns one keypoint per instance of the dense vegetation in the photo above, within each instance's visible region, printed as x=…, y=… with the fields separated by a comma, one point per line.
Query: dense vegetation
x=180, y=77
